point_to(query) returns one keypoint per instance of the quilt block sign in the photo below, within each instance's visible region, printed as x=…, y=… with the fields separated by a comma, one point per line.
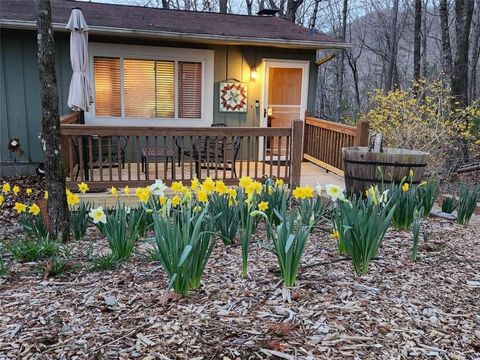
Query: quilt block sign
x=233, y=97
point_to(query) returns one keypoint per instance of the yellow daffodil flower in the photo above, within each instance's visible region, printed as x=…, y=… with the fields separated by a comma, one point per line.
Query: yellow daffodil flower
x=202, y=196
x=113, y=190
x=1, y=200
x=194, y=184
x=405, y=187
x=279, y=183
x=73, y=199
x=16, y=190
x=197, y=208
x=163, y=200
x=335, y=235
x=28, y=191
x=34, y=209
x=220, y=187
x=6, y=188
x=208, y=185
x=143, y=194
x=45, y=195
x=262, y=206
x=177, y=186
x=126, y=190
x=175, y=201
x=244, y=181
x=20, y=208
x=83, y=187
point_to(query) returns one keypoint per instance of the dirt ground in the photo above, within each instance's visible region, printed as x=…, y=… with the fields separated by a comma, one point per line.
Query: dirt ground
x=429, y=308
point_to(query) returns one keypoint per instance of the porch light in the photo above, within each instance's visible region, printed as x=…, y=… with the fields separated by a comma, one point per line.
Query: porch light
x=253, y=73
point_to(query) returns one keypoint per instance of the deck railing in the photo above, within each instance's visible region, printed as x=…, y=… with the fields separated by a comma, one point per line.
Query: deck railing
x=106, y=156
x=324, y=140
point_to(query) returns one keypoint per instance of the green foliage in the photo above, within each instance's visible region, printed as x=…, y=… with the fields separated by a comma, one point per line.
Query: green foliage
x=122, y=232
x=184, y=243
x=33, y=250
x=467, y=202
x=289, y=240
x=33, y=226
x=79, y=220
x=225, y=212
x=449, y=204
x=106, y=262
x=427, y=194
x=311, y=210
x=363, y=226
x=56, y=266
x=246, y=204
x=415, y=236
x=404, y=197
x=277, y=198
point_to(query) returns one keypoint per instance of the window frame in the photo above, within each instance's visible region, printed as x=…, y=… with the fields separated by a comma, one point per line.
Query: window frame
x=122, y=51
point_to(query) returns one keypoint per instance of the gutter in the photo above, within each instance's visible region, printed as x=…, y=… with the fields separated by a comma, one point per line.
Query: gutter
x=186, y=37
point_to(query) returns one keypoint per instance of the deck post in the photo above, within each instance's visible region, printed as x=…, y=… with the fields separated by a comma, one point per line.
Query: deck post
x=297, y=153
x=361, y=138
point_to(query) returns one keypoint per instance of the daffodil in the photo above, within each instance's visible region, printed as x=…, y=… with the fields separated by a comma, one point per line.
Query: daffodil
x=197, y=208
x=254, y=187
x=232, y=193
x=208, y=185
x=279, y=182
x=335, y=192
x=144, y=194
x=298, y=193
x=175, y=201
x=83, y=187
x=262, y=206
x=1, y=200
x=98, y=215
x=405, y=187
x=45, y=195
x=245, y=181
x=72, y=199
x=335, y=235
x=19, y=207
x=308, y=191
x=16, y=190
x=6, y=188
x=194, y=184
x=220, y=187
x=163, y=200
x=126, y=190
x=158, y=188
x=177, y=186
x=202, y=196
x=113, y=190
x=28, y=191
x=319, y=189
x=34, y=209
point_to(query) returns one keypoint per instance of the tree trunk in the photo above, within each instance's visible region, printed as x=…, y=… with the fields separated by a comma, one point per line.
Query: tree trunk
x=341, y=64
x=292, y=7
x=54, y=165
x=474, y=57
x=459, y=80
x=424, y=39
x=393, y=48
x=223, y=6
x=446, y=49
x=417, y=39
x=249, y=4
x=165, y=4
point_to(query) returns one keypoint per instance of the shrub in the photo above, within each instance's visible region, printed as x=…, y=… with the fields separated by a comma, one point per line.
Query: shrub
x=120, y=229
x=449, y=204
x=184, y=243
x=79, y=220
x=467, y=202
x=427, y=194
x=363, y=226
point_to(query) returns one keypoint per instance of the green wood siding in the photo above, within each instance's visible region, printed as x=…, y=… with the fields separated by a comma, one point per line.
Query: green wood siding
x=20, y=109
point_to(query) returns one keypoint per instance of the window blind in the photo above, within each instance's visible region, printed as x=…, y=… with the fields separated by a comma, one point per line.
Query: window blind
x=139, y=88
x=165, y=84
x=190, y=90
x=107, y=86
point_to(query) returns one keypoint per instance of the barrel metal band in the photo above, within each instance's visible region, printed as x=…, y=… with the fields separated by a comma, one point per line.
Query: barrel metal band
x=382, y=163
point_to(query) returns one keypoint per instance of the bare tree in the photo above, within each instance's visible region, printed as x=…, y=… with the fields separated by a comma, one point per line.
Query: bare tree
x=223, y=6
x=54, y=165
x=392, y=55
x=424, y=39
x=445, y=32
x=474, y=55
x=417, y=39
x=292, y=7
x=249, y=4
x=341, y=63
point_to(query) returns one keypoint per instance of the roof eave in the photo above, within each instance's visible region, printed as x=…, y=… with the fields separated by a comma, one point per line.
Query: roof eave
x=190, y=37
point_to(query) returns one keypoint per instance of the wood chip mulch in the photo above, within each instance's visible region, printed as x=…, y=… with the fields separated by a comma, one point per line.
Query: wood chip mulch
x=401, y=309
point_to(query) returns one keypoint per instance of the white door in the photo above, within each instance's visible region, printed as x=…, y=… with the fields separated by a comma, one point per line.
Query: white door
x=284, y=100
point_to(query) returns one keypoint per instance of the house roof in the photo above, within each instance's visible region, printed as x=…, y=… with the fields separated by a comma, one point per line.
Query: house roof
x=177, y=25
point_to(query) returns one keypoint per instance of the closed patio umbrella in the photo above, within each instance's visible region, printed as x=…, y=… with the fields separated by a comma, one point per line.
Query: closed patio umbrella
x=80, y=94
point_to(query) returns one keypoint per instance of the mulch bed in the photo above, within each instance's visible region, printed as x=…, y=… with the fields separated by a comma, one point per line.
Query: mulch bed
x=428, y=308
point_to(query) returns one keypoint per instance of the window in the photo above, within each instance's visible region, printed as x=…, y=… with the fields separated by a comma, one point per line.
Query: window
x=151, y=86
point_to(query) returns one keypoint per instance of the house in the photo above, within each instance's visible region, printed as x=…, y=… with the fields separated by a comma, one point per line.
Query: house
x=160, y=68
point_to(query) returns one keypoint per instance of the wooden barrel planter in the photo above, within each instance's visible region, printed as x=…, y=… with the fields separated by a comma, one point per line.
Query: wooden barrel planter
x=364, y=168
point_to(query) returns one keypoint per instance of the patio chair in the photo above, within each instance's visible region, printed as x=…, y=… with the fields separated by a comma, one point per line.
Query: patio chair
x=183, y=151
x=157, y=152
x=215, y=150
x=117, y=158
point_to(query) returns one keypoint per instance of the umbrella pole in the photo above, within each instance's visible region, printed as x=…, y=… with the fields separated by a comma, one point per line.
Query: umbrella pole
x=84, y=148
